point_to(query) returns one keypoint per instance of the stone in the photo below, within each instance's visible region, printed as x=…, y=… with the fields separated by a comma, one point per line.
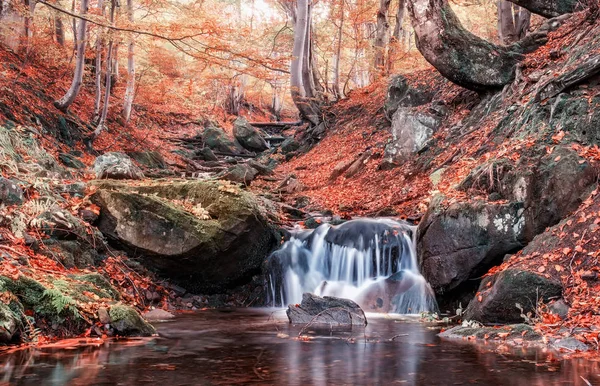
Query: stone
x=149, y=159
x=241, y=173
x=570, y=344
x=71, y=161
x=217, y=140
x=118, y=166
x=289, y=185
x=128, y=322
x=560, y=308
x=436, y=177
x=103, y=315
x=501, y=293
x=218, y=246
x=290, y=145
x=411, y=130
x=326, y=310
x=10, y=192
x=206, y=154
x=157, y=314
x=401, y=94
x=248, y=136
x=465, y=239
x=10, y=322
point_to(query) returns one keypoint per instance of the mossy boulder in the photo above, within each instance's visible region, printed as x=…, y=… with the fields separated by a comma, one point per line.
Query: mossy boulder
x=127, y=321
x=249, y=136
x=216, y=139
x=118, y=166
x=206, y=236
x=10, y=192
x=501, y=293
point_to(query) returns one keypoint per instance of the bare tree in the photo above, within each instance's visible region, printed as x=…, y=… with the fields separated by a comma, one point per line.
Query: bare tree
x=108, y=76
x=59, y=30
x=337, y=91
x=130, y=89
x=66, y=101
x=382, y=35
x=513, y=22
x=98, y=65
x=301, y=79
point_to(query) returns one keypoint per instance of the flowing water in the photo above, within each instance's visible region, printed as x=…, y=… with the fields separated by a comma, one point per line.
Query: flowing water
x=372, y=262
x=260, y=347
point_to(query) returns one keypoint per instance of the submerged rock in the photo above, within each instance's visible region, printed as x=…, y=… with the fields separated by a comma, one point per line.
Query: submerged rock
x=217, y=242
x=326, y=310
x=158, y=314
x=116, y=166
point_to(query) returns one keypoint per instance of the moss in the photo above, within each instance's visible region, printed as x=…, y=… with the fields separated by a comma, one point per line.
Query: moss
x=127, y=321
x=100, y=285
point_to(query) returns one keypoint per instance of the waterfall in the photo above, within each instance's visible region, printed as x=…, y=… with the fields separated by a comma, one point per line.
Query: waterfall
x=371, y=261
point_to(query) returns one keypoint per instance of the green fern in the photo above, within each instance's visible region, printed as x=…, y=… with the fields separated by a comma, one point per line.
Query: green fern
x=61, y=302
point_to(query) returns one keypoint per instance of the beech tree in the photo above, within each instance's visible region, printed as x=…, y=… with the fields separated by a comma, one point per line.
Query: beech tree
x=66, y=101
x=459, y=55
x=513, y=21
x=130, y=89
x=98, y=65
x=302, y=77
x=382, y=35
x=109, y=72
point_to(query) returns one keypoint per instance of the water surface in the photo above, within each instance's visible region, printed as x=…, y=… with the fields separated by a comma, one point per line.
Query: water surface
x=254, y=346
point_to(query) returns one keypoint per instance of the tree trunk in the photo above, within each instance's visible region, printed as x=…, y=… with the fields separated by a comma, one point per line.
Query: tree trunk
x=522, y=21
x=74, y=27
x=381, y=37
x=338, y=56
x=66, y=101
x=300, y=68
x=108, y=75
x=506, y=25
x=98, y=65
x=551, y=8
x=130, y=89
x=398, y=37
x=59, y=30
x=28, y=22
x=460, y=56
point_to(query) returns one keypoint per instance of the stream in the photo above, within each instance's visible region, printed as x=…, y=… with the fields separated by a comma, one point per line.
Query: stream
x=259, y=346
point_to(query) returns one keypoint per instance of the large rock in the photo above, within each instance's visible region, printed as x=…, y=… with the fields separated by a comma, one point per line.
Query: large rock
x=401, y=94
x=217, y=241
x=128, y=322
x=116, y=166
x=465, y=239
x=501, y=293
x=11, y=324
x=411, y=130
x=326, y=310
x=216, y=139
x=248, y=136
x=10, y=192
x=241, y=173
x=148, y=159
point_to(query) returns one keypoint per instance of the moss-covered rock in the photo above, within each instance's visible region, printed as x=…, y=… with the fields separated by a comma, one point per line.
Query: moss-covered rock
x=216, y=139
x=216, y=241
x=128, y=322
x=248, y=136
x=11, y=318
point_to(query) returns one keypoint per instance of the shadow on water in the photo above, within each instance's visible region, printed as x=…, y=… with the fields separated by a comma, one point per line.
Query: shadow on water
x=254, y=346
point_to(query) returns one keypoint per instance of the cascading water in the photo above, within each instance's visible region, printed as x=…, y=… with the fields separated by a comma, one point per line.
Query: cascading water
x=372, y=262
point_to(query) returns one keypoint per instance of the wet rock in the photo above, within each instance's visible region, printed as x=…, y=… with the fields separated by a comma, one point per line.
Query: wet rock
x=217, y=140
x=220, y=244
x=128, y=322
x=103, y=315
x=521, y=332
x=248, y=136
x=149, y=159
x=464, y=240
x=10, y=321
x=116, y=166
x=71, y=161
x=88, y=216
x=157, y=315
x=76, y=189
x=570, y=344
x=326, y=310
x=501, y=293
x=241, y=173
x=411, y=130
x=10, y=192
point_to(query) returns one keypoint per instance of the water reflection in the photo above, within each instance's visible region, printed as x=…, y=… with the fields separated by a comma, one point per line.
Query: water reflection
x=256, y=347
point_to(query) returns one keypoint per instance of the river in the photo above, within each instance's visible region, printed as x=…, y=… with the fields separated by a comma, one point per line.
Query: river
x=258, y=346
